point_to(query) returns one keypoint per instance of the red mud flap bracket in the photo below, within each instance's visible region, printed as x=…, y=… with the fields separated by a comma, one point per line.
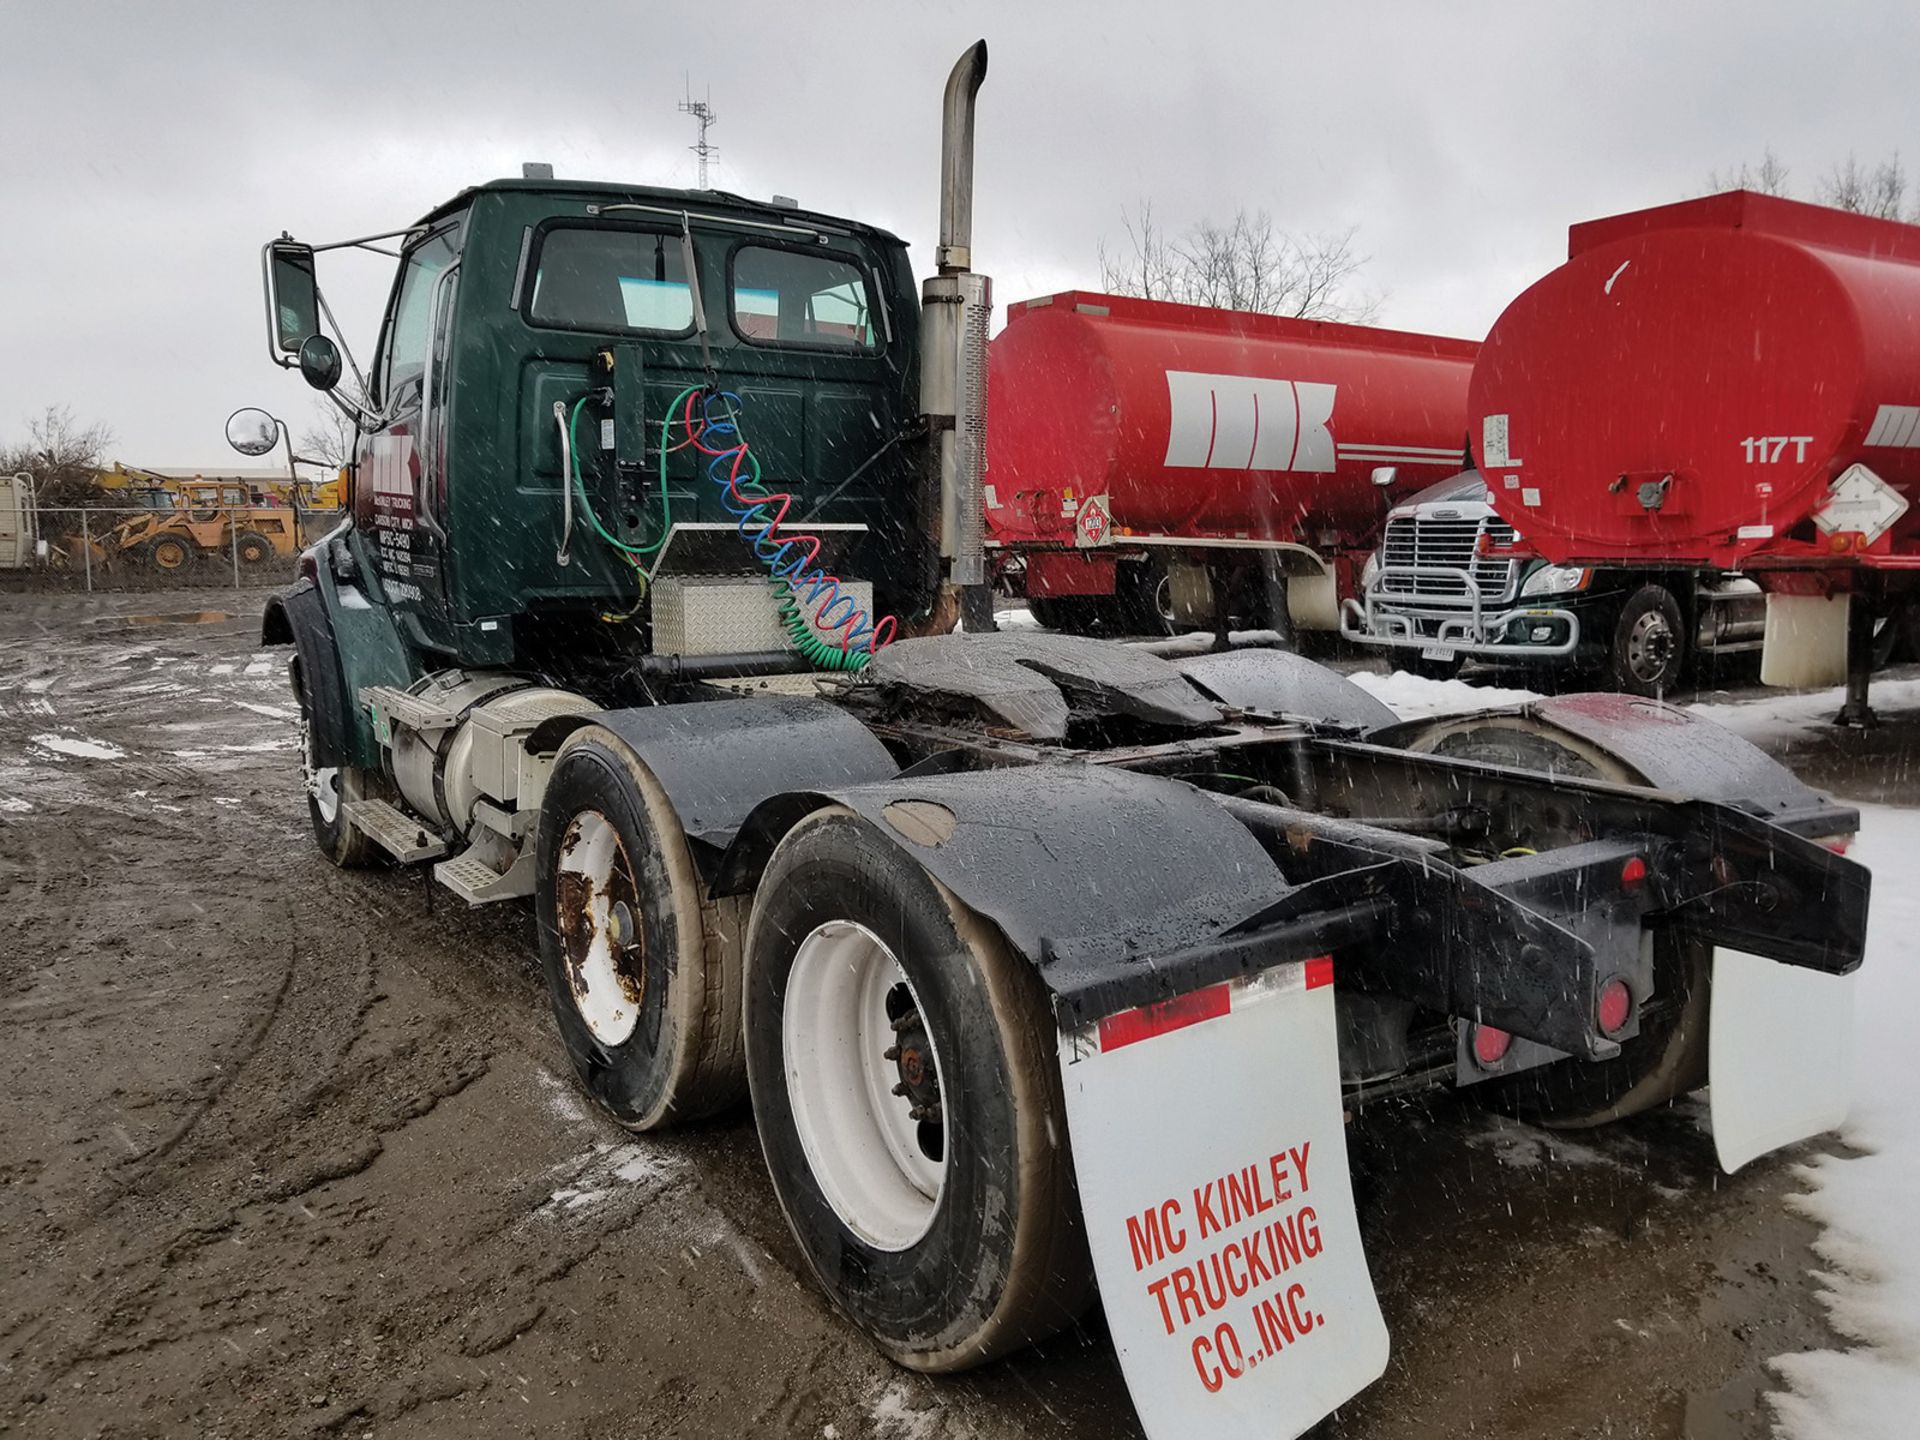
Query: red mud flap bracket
x=1208, y=1139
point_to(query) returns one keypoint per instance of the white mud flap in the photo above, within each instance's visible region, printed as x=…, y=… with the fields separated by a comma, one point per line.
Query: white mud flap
x=1212, y=1160
x=1779, y=1055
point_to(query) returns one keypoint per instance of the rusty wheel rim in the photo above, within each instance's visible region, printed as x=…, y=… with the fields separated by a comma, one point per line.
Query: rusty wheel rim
x=601, y=925
x=169, y=555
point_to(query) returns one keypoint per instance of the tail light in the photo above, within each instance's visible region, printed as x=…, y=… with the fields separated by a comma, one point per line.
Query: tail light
x=1615, y=1007
x=1490, y=1046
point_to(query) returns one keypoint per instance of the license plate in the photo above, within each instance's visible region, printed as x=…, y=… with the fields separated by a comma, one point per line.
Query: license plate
x=1437, y=652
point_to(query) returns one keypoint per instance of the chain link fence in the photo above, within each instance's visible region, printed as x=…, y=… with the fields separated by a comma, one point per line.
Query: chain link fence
x=91, y=548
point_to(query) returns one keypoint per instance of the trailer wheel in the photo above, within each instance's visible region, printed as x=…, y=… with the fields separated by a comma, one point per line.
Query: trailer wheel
x=1069, y=614
x=329, y=788
x=904, y=1079
x=1666, y=1060
x=643, y=976
x=1650, y=649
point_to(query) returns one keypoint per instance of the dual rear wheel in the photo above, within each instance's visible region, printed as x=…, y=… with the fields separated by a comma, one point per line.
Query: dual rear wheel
x=900, y=1057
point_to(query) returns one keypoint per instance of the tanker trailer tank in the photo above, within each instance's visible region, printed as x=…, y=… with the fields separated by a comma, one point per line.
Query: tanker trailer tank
x=1730, y=383
x=1145, y=458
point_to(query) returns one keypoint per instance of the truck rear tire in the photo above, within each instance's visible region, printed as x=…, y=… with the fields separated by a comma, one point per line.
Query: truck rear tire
x=1650, y=652
x=950, y=1234
x=643, y=974
x=329, y=789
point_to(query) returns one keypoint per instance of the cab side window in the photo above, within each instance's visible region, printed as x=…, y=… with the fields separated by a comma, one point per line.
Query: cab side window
x=403, y=363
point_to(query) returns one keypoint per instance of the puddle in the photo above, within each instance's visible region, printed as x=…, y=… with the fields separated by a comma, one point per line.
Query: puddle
x=171, y=617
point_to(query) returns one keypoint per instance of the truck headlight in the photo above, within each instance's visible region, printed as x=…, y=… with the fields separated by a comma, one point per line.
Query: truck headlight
x=1557, y=580
x=1369, y=571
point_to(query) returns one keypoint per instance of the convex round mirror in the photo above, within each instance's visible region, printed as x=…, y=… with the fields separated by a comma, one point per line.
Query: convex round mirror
x=252, y=432
x=320, y=362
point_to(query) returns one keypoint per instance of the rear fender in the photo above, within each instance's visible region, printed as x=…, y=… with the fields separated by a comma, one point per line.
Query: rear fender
x=722, y=761
x=1657, y=745
x=1096, y=875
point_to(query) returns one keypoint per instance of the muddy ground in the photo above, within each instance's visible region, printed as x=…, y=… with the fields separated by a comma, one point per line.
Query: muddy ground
x=289, y=1151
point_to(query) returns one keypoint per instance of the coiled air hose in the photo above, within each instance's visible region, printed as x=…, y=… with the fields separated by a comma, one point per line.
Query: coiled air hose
x=808, y=599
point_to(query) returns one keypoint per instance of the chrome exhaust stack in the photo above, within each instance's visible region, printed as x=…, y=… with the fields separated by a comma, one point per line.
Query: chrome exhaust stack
x=956, y=309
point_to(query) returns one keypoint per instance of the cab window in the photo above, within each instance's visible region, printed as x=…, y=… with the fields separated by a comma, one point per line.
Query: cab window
x=404, y=362
x=608, y=279
x=790, y=297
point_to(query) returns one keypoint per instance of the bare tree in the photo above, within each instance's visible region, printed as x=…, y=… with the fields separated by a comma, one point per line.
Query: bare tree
x=1880, y=191
x=64, y=456
x=1247, y=264
x=1769, y=177
x=331, y=439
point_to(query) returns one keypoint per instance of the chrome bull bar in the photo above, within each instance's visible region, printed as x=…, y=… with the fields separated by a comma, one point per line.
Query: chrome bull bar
x=1469, y=629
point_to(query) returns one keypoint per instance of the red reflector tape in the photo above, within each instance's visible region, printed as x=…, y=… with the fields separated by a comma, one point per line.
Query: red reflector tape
x=1176, y=1014
x=1319, y=972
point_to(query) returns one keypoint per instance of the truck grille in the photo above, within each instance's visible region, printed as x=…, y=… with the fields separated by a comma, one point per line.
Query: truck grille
x=1451, y=543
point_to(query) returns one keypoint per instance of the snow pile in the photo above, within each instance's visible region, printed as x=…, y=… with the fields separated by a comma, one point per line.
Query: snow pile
x=1872, y=1290
x=1414, y=697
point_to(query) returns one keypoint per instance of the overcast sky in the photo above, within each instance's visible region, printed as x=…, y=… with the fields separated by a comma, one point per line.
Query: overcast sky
x=146, y=150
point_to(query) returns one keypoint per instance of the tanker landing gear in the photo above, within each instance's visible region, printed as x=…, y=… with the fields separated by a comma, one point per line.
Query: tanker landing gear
x=1855, y=712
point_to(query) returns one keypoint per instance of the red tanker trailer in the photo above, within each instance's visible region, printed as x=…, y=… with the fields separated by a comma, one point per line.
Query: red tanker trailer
x=1145, y=455
x=1734, y=383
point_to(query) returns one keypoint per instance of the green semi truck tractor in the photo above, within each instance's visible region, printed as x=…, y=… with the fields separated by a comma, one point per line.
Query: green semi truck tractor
x=1043, y=961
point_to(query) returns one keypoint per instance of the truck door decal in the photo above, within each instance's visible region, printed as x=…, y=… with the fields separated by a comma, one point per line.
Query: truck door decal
x=1247, y=422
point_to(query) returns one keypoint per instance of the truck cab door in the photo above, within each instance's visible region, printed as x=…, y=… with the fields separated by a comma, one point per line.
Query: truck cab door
x=399, y=499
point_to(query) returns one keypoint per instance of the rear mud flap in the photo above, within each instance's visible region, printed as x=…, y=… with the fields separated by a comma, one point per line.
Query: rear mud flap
x=1209, y=1143
x=1779, y=1055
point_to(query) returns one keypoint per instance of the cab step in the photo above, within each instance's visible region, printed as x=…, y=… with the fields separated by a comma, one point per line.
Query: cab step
x=478, y=883
x=394, y=831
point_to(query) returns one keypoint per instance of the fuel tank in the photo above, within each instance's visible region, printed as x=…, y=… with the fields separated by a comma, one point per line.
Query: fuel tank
x=1212, y=423
x=1698, y=383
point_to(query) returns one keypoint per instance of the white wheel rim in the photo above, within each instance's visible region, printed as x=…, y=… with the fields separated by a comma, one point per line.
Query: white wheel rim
x=600, y=933
x=861, y=1142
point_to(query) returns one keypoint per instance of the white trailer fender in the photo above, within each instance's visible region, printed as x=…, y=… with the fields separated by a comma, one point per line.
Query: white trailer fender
x=1779, y=1055
x=1208, y=1139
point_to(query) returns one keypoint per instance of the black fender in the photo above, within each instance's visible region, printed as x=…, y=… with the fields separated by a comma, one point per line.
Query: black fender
x=1668, y=749
x=297, y=616
x=720, y=759
x=1095, y=875
x=1279, y=682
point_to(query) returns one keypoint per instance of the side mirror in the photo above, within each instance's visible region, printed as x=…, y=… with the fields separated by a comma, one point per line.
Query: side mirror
x=293, y=297
x=1385, y=475
x=320, y=362
x=252, y=432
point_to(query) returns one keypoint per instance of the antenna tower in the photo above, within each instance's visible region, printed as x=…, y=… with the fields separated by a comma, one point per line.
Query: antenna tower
x=702, y=112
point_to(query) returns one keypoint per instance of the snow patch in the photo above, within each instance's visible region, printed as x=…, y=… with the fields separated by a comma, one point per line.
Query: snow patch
x=896, y=1416
x=1871, y=1288
x=79, y=747
x=13, y=805
x=1782, y=717
x=1415, y=697
x=273, y=712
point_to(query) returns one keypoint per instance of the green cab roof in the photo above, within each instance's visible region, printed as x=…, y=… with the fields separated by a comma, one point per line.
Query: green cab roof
x=605, y=192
